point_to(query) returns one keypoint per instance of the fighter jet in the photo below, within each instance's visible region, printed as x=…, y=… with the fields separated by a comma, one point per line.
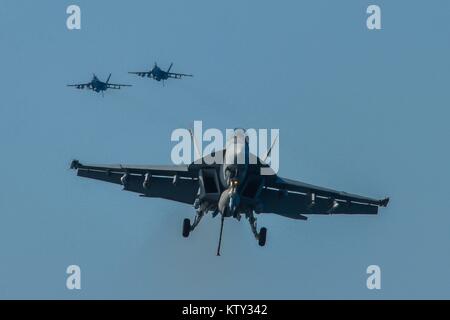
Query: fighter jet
x=160, y=75
x=99, y=86
x=231, y=189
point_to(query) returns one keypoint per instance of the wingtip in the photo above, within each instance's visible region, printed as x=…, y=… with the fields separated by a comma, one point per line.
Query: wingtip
x=384, y=202
x=75, y=164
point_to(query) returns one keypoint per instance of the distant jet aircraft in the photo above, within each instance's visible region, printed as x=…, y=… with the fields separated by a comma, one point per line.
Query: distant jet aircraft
x=160, y=75
x=231, y=189
x=99, y=86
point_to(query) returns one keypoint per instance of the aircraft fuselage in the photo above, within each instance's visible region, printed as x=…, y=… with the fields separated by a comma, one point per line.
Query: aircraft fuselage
x=235, y=174
x=98, y=86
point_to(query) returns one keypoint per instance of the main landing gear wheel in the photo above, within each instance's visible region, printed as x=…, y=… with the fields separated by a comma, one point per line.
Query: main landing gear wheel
x=186, y=227
x=262, y=237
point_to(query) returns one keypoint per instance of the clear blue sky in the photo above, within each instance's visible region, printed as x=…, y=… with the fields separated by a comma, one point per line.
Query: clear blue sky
x=361, y=111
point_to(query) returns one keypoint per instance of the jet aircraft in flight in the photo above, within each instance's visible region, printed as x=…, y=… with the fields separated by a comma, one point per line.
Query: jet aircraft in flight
x=99, y=86
x=160, y=75
x=231, y=189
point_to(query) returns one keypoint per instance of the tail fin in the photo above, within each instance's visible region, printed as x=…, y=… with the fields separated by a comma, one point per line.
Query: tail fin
x=197, y=150
x=269, y=152
x=107, y=81
x=170, y=68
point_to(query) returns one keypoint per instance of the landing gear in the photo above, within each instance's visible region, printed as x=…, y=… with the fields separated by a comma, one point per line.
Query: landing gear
x=261, y=235
x=187, y=227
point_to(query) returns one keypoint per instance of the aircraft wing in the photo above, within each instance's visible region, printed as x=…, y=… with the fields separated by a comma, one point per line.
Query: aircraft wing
x=80, y=85
x=292, y=199
x=117, y=86
x=177, y=183
x=178, y=75
x=142, y=73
